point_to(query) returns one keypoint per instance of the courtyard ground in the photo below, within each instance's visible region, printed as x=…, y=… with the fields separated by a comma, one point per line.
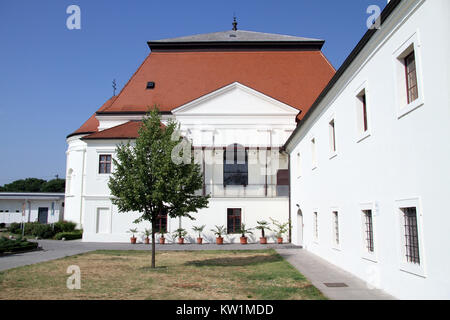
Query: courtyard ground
x=209, y=274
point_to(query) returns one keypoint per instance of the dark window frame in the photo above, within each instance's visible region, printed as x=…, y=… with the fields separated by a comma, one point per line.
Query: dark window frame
x=368, y=222
x=161, y=223
x=235, y=174
x=412, y=88
x=234, y=215
x=104, y=163
x=411, y=234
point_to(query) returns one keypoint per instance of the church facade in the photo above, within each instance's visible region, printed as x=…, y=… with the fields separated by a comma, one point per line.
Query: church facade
x=233, y=93
x=369, y=164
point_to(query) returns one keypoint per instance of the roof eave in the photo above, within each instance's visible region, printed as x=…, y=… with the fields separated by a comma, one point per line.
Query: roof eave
x=236, y=45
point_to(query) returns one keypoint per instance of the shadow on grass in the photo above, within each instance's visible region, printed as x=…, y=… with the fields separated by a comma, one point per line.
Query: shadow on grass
x=156, y=269
x=235, y=261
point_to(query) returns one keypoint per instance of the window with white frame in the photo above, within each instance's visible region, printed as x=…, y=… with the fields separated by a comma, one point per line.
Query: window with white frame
x=315, y=226
x=408, y=77
x=332, y=135
x=335, y=215
x=313, y=153
x=368, y=230
x=104, y=163
x=411, y=235
x=361, y=113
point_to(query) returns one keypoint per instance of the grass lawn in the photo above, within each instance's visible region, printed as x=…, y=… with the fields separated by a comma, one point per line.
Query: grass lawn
x=252, y=274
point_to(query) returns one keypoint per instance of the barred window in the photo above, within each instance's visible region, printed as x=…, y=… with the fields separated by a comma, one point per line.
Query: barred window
x=411, y=235
x=332, y=136
x=411, y=77
x=368, y=230
x=336, y=227
x=104, y=165
x=233, y=220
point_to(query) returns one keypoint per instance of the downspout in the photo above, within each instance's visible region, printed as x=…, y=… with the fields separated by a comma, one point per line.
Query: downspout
x=82, y=189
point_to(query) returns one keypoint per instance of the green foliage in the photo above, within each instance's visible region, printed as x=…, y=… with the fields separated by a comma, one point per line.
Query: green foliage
x=133, y=231
x=64, y=226
x=180, y=233
x=147, y=180
x=15, y=228
x=55, y=185
x=244, y=230
x=199, y=229
x=44, y=231
x=77, y=234
x=282, y=228
x=34, y=185
x=2, y=225
x=219, y=231
x=21, y=244
x=147, y=232
x=262, y=225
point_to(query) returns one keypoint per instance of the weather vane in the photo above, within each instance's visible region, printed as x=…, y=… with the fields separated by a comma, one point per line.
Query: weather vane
x=234, y=23
x=114, y=87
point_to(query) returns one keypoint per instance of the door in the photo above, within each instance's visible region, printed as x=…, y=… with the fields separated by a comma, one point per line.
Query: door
x=43, y=215
x=300, y=227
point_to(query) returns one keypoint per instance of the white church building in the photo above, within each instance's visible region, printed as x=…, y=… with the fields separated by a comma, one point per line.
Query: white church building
x=370, y=172
x=357, y=159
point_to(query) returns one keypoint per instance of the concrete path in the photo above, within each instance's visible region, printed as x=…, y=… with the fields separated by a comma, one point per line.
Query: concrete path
x=53, y=249
x=319, y=272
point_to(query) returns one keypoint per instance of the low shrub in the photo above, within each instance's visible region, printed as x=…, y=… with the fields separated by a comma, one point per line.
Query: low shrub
x=15, y=245
x=64, y=226
x=77, y=234
x=2, y=225
x=43, y=231
x=15, y=228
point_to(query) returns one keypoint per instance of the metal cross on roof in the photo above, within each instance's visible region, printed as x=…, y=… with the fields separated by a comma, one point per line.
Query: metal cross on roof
x=234, y=24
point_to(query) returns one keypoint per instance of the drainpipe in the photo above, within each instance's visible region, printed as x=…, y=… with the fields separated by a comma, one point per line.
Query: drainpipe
x=283, y=150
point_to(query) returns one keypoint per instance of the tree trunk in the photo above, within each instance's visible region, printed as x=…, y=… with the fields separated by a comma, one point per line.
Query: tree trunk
x=153, y=245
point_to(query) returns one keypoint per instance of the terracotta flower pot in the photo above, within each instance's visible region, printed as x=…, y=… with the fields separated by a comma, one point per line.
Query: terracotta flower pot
x=162, y=240
x=263, y=240
x=199, y=240
x=279, y=240
x=180, y=240
x=147, y=240
x=243, y=240
x=133, y=240
x=219, y=240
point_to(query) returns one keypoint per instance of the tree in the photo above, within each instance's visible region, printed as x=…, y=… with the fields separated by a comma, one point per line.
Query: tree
x=24, y=185
x=147, y=180
x=55, y=185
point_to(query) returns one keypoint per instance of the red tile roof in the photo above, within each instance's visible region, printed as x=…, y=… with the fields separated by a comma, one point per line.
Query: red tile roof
x=292, y=77
x=128, y=130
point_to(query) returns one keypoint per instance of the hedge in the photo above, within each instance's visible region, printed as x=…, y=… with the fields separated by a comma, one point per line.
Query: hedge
x=15, y=245
x=77, y=234
x=43, y=231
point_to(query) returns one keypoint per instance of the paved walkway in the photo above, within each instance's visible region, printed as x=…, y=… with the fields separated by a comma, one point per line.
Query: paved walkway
x=319, y=272
x=315, y=269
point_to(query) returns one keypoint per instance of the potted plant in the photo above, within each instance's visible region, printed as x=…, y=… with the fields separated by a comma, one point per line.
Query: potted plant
x=243, y=232
x=218, y=232
x=147, y=233
x=180, y=233
x=199, y=230
x=162, y=240
x=133, y=238
x=262, y=225
x=282, y=228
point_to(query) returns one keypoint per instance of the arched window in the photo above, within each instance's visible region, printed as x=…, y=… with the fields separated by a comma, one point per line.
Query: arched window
x=235, y=165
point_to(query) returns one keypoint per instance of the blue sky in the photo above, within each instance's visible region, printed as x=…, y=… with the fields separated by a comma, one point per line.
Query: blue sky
x=52, y=79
